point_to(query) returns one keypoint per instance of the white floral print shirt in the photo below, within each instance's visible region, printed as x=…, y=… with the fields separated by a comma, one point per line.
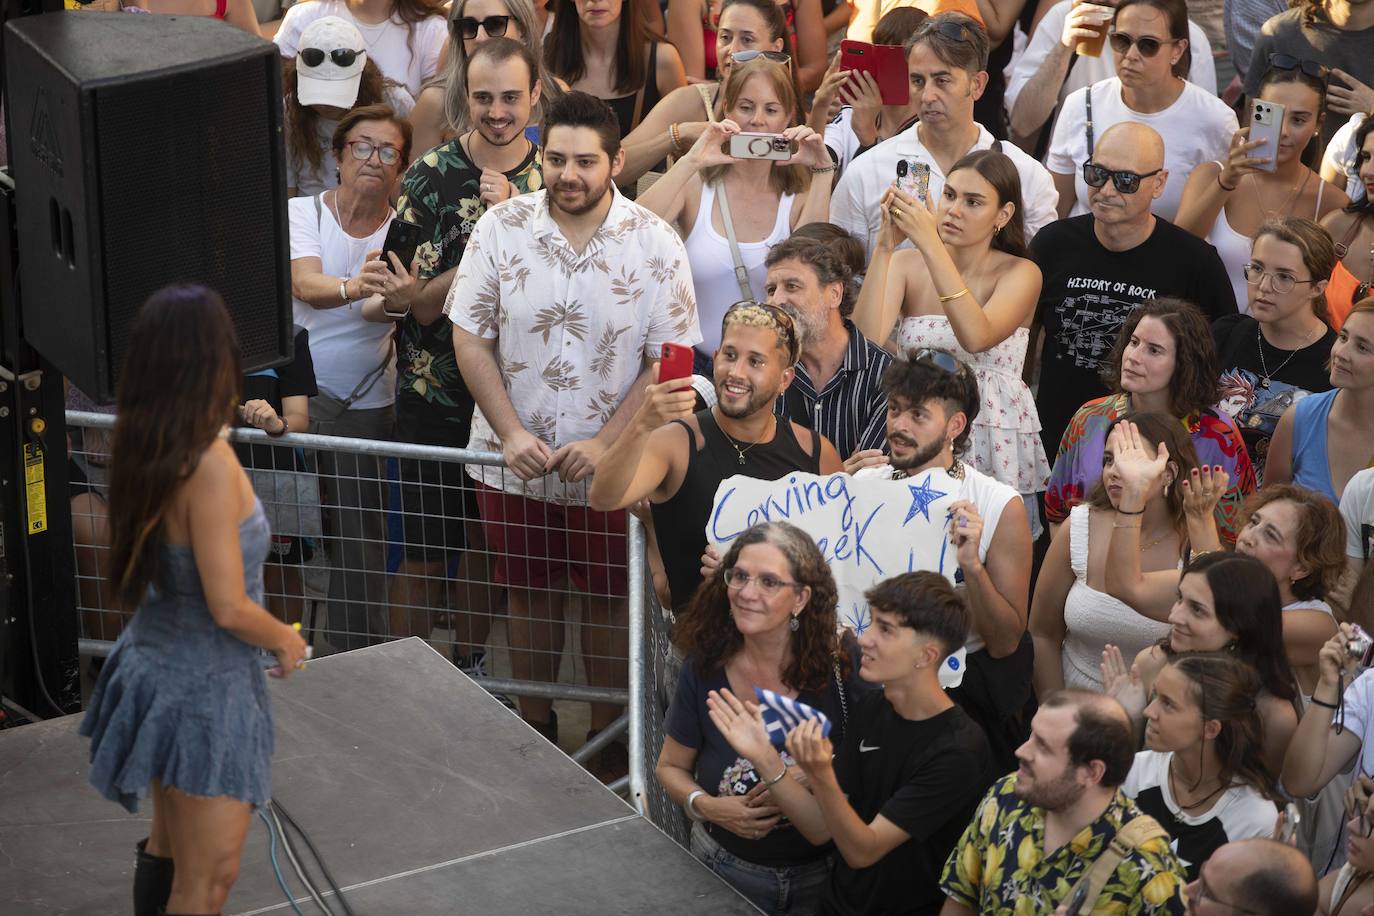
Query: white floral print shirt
x=573, y=330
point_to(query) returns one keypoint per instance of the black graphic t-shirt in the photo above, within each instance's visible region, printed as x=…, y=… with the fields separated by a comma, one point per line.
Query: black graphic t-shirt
x=1254, y=400
x=1087, y=294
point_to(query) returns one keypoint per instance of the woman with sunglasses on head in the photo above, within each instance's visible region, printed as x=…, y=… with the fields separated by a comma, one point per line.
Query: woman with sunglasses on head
x=766, y=197
x=765, y=618
x=405, y=38
x=1227, y=201
x=1164, y=360
x=1149, y=41
x=694, y=27
x=1277, y=353
x=440, y=115
x=1353, y=230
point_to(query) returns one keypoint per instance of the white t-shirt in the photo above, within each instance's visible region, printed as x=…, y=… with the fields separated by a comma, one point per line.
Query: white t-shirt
x=408, y=63
x=1195, y=129
x=1357, y=508
x=344, y=347
x=1359, y=717
x=1340, y=154
x=1085, y=71
x=854, y=205
x=307, y=181
x=841, y=140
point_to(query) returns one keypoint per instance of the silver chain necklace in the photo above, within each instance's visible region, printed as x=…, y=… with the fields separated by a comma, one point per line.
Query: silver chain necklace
x=1264, y=368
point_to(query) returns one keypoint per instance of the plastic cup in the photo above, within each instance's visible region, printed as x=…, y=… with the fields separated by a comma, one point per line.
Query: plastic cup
x=1092, y=47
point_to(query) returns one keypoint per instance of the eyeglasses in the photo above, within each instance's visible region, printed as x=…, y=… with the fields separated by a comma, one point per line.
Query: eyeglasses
x=781, y=316
x=362, y=151
x=777, y=57
x=951, y=30
x=313, y=57
x=494, y=26
x=1095, y=176
x=1148, y=45
x=940, y=359
x=769, y=585
x=1312, y=68
x=1278, y=282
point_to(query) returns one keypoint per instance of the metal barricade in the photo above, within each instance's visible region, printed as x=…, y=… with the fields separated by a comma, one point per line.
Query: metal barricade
x=375, y=540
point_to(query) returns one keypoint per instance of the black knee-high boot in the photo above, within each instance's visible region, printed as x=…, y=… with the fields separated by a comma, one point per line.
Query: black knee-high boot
x=152, y=881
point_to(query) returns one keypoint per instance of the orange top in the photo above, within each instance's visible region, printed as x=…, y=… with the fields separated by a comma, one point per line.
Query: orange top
x=1340, y=295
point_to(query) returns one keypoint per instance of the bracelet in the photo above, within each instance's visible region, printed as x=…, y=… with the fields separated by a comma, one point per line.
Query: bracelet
x=343, y=289
x=1317, y=702
x=285, y=428
x=1124, y=512
x=769, y=783
x=676, y=139
x=1132, y=527
x=1221, y=168
x=689, y=806
x=823, y=169
x=962, y=292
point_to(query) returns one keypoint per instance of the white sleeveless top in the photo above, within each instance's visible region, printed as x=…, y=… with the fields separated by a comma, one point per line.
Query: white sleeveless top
x=713, y=266
x=1094, y=618
x=1234, y=249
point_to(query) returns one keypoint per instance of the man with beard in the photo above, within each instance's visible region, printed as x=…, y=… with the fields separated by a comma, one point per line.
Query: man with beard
x=677, y=459
x=445, y=192
x=837, y=390
x=563, y=297
x=932, y=402
x=1039, y=830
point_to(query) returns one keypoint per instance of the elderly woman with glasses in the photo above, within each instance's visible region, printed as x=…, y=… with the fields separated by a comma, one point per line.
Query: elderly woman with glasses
x=766, y=618
x=1149, y=40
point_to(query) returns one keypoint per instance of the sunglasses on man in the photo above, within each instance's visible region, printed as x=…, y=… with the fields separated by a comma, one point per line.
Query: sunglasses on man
x=494, y=26
x=313, y=57
x=1127, y=182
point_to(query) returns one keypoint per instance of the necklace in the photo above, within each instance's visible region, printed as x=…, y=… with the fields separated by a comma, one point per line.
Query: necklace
x=740, y=451
x=1287, y=204
x=1264, y=367
x=1155, y=543
x=1173, y=789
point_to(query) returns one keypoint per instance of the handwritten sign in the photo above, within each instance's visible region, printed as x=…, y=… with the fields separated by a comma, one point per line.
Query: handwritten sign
x=868, y=530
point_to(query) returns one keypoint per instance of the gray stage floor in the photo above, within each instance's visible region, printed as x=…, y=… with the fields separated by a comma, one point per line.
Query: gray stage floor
x=422, y=794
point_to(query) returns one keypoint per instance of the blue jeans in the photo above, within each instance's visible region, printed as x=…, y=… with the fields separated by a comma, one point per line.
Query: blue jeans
x=787, y=891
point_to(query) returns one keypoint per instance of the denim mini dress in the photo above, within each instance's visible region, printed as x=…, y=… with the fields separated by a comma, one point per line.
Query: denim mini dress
x=181, y=699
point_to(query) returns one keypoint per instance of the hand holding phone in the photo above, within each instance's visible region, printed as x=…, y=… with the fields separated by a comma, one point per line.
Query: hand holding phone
x=885, y=63
x=402, y=238
x=676, y=363
x=1266, y=126
x=746, y=145
x=913, y=178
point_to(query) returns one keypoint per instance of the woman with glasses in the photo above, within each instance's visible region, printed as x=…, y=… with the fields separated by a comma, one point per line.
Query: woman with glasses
x=1227, y=201
x=603, y=47
x=440, y=115
x=405, y=38
x=1149, y=42
x=766, y=198
x=1323, y=440
x=766, y=618
x=694, y=27
x=1353, y=230
x=1203, y=776
x=1277, y=353
x=1164, y=360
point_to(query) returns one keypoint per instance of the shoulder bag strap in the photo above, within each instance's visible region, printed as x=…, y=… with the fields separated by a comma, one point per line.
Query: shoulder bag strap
x=706, y=99
x=1088, y=100
x=741, y=272
x=1138, y=830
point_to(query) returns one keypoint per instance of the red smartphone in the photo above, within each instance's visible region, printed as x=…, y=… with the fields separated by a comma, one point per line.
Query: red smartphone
x=885, y=63
x=676, y=363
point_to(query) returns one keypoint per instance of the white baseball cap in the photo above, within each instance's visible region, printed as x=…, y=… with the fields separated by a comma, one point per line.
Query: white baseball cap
x=329, y=64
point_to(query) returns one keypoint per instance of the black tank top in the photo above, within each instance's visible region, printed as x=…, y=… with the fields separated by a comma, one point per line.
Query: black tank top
x=680, y=522
x=624, y=105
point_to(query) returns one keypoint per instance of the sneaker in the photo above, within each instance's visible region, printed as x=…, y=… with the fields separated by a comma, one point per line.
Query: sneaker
x=475, y=667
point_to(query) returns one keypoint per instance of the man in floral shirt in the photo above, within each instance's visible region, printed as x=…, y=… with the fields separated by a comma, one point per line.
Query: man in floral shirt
x=445, y=192
x=1041, y=828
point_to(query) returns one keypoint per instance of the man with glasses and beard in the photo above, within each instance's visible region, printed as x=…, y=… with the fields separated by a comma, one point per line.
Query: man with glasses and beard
x=561, y=301
x=1099, y=266
x=932, y=402
x=1039, y=830
x=676, y=459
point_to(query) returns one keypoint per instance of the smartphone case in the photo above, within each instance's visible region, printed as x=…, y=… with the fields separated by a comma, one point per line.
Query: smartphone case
x=885, y=63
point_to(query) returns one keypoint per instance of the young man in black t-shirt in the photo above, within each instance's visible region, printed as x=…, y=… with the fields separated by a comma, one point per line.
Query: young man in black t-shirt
x=912, y=766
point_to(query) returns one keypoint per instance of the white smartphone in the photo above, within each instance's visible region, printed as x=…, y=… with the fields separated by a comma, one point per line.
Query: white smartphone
x=913, y=178
x=760, y=146
x=1266, y=123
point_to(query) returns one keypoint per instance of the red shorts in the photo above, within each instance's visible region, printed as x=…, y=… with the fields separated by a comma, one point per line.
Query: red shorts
x=538, y=544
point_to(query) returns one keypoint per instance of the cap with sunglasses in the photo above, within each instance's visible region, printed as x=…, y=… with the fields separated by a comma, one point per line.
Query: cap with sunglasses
x=329, y=64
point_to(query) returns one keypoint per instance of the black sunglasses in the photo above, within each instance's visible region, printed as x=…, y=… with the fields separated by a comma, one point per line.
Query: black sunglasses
x=780, y=315
x=951, y=30
x=1095, y=176
x=313, y=57
x=1312, y=68
x=939, y=359
x=494, y=26
x=1148, y=45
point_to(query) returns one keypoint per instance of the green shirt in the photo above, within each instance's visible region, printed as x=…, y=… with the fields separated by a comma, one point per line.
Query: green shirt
x=999, y=865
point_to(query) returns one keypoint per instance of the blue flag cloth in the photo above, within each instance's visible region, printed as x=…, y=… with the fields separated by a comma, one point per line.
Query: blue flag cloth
x=781, y=715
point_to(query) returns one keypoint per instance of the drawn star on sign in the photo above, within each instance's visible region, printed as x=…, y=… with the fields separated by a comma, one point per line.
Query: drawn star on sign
x=921, y=498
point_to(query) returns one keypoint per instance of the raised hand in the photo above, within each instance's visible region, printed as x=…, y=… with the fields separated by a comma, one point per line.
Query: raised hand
x=1203, y=489
x=812, y=751
x=1133, y=464
x=915, y=219
x=741, y=725
x=1239, y=162
x=709, y=149
x=1122, y=681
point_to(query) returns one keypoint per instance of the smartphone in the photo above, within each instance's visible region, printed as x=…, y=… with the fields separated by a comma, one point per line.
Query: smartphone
x=1291, y=819
x=1079, y=898
x=885, y=63
x=675, y=363
x=1266, y=123
x=403, y=237
x=913, y=178
x=759, y=146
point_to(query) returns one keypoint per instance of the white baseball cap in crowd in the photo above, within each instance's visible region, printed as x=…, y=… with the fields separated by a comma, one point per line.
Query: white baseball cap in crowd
x=329, y=64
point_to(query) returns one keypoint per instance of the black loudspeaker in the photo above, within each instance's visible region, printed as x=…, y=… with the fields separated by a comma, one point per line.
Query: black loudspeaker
x=146, y=150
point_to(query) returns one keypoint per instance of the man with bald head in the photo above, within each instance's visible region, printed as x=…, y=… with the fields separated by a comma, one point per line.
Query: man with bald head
x=1099, y=266
x=1259, y=877
x=1039, y=830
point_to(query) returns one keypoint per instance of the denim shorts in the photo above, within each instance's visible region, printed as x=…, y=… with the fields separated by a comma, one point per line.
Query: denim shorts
x=784, y=891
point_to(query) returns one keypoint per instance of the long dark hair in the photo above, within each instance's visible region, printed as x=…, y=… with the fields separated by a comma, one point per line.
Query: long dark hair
x=179, y=386
x=1248, y=606
x=1193, y=386
x=1154, y=429
x=563, y=47
x=1363, y=205
x=997, y=169
x=302, y=121
x=412, y=12
x=1224, y=688
x=706, y=630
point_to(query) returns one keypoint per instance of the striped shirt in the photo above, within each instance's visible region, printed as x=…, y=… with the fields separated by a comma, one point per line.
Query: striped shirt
x=852, y=410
